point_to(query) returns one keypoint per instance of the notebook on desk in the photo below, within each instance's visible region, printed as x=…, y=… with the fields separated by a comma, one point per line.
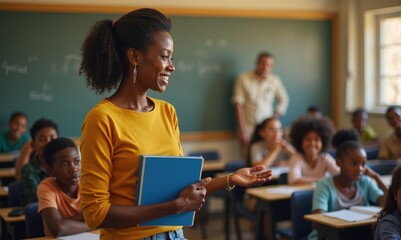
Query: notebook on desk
x=161, y=179
x=355, y=213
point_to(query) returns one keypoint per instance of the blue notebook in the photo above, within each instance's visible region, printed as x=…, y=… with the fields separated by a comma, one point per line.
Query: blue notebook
x=161, y=179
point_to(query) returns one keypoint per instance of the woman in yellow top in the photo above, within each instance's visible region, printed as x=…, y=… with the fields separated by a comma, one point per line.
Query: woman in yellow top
x=134, y=54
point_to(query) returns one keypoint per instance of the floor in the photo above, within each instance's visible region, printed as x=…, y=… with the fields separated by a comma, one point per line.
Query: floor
x=215, y=230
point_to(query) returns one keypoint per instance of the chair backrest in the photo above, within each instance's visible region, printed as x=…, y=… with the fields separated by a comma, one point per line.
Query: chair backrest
x=372, y=152
x=14, y=194
x=283, y=178
x=33, y=221
x=234, y=166
x=207, y=154
x=301, y=204
x=384, y=168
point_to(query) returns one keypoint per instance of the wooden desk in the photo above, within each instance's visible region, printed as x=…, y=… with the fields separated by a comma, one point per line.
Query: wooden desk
x=7, y=175
x=213, y=165
x=333, y=228
x=274, y=201
x=79, y=236
x=8, y=157
x=12, y=227
x=7, y=172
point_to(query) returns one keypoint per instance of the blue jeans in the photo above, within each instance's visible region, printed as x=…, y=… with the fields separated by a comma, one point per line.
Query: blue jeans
x=172, y=235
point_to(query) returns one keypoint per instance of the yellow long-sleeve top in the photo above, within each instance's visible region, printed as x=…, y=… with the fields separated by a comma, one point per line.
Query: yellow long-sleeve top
x=112, y=141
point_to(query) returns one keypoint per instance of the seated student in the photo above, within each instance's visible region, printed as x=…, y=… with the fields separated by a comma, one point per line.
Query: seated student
x=311, y=138
x=42, y=132
x=356, y=184
x=389, y=220
x=59, y=199
x=367, y=135
x=314, y=111
x=267, y=146
x=390, y=148
x=15, y=137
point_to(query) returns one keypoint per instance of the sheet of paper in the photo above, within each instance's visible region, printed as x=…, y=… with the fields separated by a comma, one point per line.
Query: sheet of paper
x=283, y=190
x=81, y=236
x=348, y=215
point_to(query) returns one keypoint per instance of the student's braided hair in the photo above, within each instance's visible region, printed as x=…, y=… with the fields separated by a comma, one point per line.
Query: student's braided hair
x=103, y=51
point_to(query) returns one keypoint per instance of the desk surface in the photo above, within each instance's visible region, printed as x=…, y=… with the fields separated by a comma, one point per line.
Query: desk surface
x=337, y=223
x=8, y=157
x=97, y=232
x=277, y=192
x=213, y=165
x=4, y=215
x=7, y=172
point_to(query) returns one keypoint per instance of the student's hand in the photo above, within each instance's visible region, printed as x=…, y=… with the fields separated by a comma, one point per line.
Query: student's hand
x=371, y=173
x=248, y=177
x=192, y=197
x=288, y=147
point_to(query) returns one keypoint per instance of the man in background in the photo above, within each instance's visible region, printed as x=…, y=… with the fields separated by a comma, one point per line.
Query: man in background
x=258, y=94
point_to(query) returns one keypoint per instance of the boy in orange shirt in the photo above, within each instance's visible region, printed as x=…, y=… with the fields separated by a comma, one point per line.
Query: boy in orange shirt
x=59, y=199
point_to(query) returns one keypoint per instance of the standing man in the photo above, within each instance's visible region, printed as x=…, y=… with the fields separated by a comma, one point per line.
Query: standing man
x=258, y=95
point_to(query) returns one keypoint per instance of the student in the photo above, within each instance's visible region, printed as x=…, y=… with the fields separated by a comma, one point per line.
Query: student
x=389, y=220
x=134, y=55
x=356, y=184
x=59, y=199
x=390, y=147
x=15, y=137
x=42, y=132
x=257, y=95
x=367, y=134
x=268, y=147
x=311, y=138
x=314, y=111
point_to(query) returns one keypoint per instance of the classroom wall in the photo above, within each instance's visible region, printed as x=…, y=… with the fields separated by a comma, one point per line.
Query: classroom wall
x=352, y=45
x=350, y=29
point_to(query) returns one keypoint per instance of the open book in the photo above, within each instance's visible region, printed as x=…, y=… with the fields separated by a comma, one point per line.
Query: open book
x=355, y=213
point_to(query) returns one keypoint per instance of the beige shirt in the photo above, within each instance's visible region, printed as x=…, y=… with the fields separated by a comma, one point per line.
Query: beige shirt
x=258, y=97
x=390, y=148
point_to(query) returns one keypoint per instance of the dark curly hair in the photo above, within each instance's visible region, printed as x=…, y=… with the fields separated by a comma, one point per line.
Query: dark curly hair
x=16, y=114
x=345, y=139
x=55, y=146
x=40, y=124
x=103, y=50
x=322, y=126
x=390, y=204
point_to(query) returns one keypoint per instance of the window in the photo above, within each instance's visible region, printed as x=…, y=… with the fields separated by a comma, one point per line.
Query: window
x=389, y=69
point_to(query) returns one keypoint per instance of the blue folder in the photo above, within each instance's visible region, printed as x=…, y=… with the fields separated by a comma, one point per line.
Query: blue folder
x=161, y=179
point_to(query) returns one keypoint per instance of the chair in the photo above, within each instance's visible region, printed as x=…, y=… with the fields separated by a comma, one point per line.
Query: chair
x=385, y=167
x=33, y=221
x=372, y=152
x=301, y=204
x=14, y=194
x=239, y=210
x=283, y=178
x=207, y=155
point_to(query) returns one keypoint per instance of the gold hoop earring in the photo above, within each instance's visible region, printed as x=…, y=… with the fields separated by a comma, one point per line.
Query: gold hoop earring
x=134, y=73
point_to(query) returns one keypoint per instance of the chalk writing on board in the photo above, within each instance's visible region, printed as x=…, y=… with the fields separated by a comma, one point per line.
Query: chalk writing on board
x=9, y=68
x=71, y=64
x=203, y=65
x=43, y=95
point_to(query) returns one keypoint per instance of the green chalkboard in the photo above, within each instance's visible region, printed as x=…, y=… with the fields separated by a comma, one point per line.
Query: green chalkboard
x=40, y=58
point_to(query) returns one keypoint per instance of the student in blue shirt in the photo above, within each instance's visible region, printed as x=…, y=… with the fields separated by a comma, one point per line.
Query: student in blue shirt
x=15, y=137
x=389, y=220
x=356, y=183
